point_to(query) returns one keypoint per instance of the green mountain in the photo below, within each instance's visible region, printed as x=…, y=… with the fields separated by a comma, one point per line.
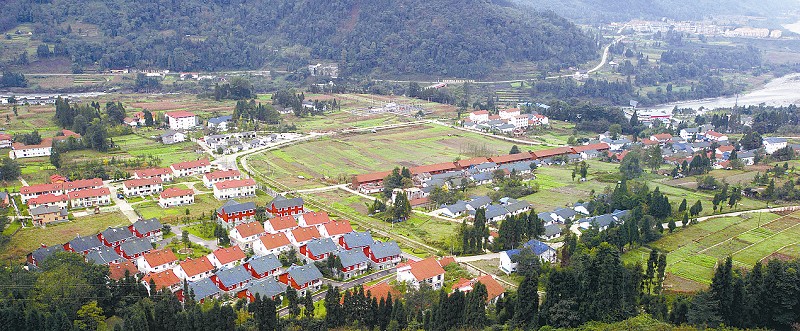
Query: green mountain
x=461, y=38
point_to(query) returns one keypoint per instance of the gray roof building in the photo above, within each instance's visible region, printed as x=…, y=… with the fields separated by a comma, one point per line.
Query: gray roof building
x=113, y=235
x=357, y=239
x=233, y=276
x=545, y=217
x=136, y=246
x=320, y=246
x=146, y=226
x=304, y=274
x=234, y=207
x=263, y=264
x=281, y=202
x=42, y=210
x=551, y=230
x=565, y=213
x=384, y=249
x=517, y=206
x=83, y=244
x=352, y=257
x=203, y=289
x=267, y=288
x=43, y=253
x=494, y=211
x=104, y=255
x=219, y=120
x=479, y=202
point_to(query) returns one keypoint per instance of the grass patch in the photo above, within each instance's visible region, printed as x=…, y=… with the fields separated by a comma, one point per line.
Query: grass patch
x=202, y=230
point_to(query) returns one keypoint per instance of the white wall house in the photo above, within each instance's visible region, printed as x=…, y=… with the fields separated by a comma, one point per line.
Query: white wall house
x=480, y=116
x=181, y=120
x=174, y=196
x=157, y=261
x=191, y=168
x=230, y=189
x=272, y=244
x=214, y=177
x=425, y=271
x=141, y=187
x=90, y=197
x=771, y=145
x=19, y=150
x=245, y=235
x=164, y=173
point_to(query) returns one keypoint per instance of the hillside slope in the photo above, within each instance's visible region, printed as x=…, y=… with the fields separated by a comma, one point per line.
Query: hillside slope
x=462, y=38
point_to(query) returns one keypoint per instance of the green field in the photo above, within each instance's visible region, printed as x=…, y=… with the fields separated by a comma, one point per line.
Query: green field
x=136, y=145
x=693, y=252
x=204, y=205
x=343, y=156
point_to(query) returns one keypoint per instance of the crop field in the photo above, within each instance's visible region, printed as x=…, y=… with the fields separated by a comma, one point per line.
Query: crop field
x=28, y=239
x=343, y=156
x=694, y=252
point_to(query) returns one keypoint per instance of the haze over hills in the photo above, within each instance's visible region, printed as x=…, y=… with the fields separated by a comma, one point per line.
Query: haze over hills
x=623, y=10
x=451, y=38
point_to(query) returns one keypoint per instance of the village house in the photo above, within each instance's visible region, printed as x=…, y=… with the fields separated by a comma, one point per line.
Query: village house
x=190, y=168
x=479, y=116
x=235, y=188
x=354, y=263
x=194, y=269
x=49, y=200
x=150, y=228
x=771, y=144
x=354, y=240
x=113, y=237
x=383, y=255
x=542, y=250
x=263, y=266
x=42, y=253
x=281, y=206
x=33, y=191
x=157, y=261
x=244, y=235
x=164, y=173
x=226, y=258
x=204, y=289
x=174, y=196
x=712, y=135
x=336, y=229
x=268, y=288
x=302, y=278
x=121, y=269
x=44, y=215
x=220, y=123
x=181, y=120
x=233, y=213
x=162, y=280
x=369, y=183
x=302, y=235
x=133, y=248
x=551, y=232
x=4, y=199
x=428, y=271
x=89, y=197
x=232, y=279
x=172, y=137
x=494, y=290
x=20, y=150
x=108, y=256
x=142, y=187
x=211, y=178
x=688, y=133
x=82, y=245
x=318, y=249
x=282, y=224
x=6, y=140
x=272, y=244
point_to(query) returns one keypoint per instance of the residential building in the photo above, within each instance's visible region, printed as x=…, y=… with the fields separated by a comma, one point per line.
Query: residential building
x=44, y=215
x=87, y=198
x=142, y=187
x=494, y=290
x=157, y=261
x=301, y=236
x=121, y=269
x=172, y=137
x=276, y=243
x=42, y=253
x=302, y=278
x=772, y=144
x=369, y=183
x=181, y=120
x=354, y=263
x=226, y=258
x=428, y=271
x=220, y=123
x=211, y=178
x=204, y=289
x=551, y=232
x=231, y=279
x=383, y=255
x=150, y=228
x=5, y=200
x=162, y=280
x=33, y=191
x=263, y=266
x=194, y=269
x=315, y=219
x=318, y=249
x=335, y=230
x=479, y=116
x=191, y=168
x=235, y=188
x=233, y=213
x=542, y=250
x=107, y=256
x=715, y=136
x=164, y=173
x=133, y=248
x=6, y=140
x=281, y=206
x=268, y=288
x=20, y=150
x=49, y=200
x=244, y=235
x=174, y=196
x=353, y=240
x=82, y=245
x=284, y=224
x=113, y=237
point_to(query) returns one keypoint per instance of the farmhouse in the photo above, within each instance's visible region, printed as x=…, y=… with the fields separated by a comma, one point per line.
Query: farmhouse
x=20, y=150
x=510, y=158
x=302, y=277
x=494, y=290
x=542, y=250
x=194, y=269
x=425, y=271
x=233, y=213
x=181, y=120
x=174, y=196
x=220, y=123
x=369, y=183
x=172, y=137
x=244, y=235
x=142, y=187
x=44, y=215
x=272, y=244
x=164, y=173
x=771, y=145
x=6, y=140
x=235, y=188
x=281, y=206
x=211, y=178
x=191, y=168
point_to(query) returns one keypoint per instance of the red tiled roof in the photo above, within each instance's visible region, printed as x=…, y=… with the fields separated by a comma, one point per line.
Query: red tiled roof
x=494, y=117
x=727, y=148
x=444, y=166
x=83, y=183
x=305, y=234
x=222, y=174
x=583, y=148
x=509, y=110
x=426, y=268
x=39, y=188
x=166, y=278
x=338, y=227
x=70, y=133
x=230, y=254
x=461, y=283
x=381, y=291
x=471, y=162
x=172, y=192
x=282, y=223
x=89, y=193
x=159, y=257
x=56, y=178
x=713, y=133
x=152, y=172
x=235, y=183
x=272, y=241
x=447, y=260
x=648, y=142
x=552, y=152
x=493, y=288
x=47, y=198
x=116, y=271
x=662, y=136
x=142, y=182
x=372, y=177
x=4, y=136
x=180, y=114
x=512, y=157
x=316, y=218
x=46, y=142
x=250, y=229
x=191, y=164
x=418, y=201
x=197, y=266
x=480, y=112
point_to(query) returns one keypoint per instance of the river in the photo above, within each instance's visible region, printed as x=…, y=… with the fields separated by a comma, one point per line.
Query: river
x=781, y=91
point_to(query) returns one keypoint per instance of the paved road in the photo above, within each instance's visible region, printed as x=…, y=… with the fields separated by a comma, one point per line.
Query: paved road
x=345, y=286
x=605, y=55
x=123, y=204
x=474, y=258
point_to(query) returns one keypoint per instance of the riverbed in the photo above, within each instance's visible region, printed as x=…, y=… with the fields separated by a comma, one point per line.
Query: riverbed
x=781, y=91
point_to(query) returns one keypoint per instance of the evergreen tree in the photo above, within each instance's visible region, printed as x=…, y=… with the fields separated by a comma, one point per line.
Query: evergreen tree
x=527, y=302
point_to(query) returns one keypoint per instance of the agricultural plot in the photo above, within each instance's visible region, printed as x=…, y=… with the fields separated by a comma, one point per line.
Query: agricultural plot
x=694, y=252
x=344, y=156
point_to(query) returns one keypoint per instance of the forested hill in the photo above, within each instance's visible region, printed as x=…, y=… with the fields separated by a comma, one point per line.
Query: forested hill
x=623, y=10
x=461, y=38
